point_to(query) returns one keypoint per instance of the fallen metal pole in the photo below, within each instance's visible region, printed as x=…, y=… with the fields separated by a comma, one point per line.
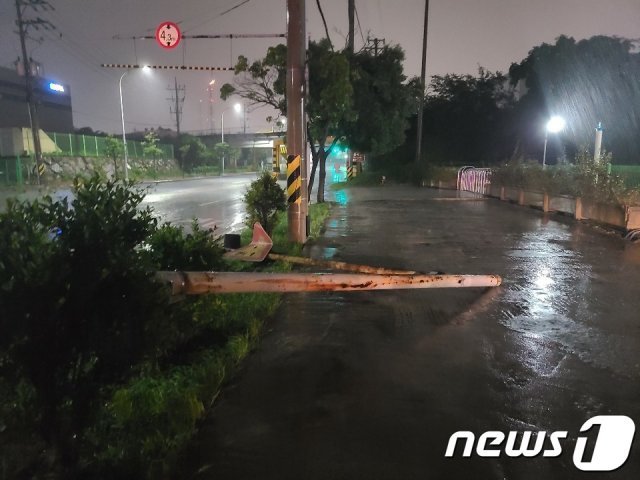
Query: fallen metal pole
x=345, y=267
x=198, y=283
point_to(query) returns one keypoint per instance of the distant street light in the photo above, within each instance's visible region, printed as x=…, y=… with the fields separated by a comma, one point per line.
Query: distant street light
x=554, y=125
x=146, y=70
x=210, y=89
x=240, y=108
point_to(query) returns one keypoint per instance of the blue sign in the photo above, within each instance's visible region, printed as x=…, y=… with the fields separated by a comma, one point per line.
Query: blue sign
x=56, y=87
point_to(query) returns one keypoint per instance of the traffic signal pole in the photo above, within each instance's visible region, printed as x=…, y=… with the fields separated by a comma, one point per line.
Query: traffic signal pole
x=297, y=196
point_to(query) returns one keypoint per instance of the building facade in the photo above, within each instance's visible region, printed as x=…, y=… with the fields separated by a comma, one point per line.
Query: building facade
x=53, y=101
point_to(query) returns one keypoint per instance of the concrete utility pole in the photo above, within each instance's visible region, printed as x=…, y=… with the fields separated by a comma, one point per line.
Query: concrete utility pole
x=297, y=197
x=422, y=84
x=352, y=9
x=23, y=26
x=597, y=151
x=177, y=101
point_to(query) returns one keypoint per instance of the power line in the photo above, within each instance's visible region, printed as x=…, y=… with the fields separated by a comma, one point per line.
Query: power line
x=359, y=27
x=204, y=22
x=207, y=36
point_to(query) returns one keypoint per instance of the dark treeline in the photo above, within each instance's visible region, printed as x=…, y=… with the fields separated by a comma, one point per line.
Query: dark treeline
x=491, y=117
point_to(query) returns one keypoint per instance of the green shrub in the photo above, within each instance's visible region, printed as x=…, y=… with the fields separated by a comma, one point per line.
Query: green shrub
x=99, y=375
x=585, y=178
x=173, y=249
x=77, y=297
x=263, y=200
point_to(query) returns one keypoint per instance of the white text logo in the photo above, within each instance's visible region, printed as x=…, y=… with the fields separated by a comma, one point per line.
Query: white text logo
x=603, y=445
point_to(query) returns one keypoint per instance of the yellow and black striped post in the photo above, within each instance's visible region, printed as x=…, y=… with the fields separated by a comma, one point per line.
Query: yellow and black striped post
x=294, y=183
x=349, y=173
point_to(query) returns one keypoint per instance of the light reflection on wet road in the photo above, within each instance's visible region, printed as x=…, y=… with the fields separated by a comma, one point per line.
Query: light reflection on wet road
x=372, y=384
x=215, y=201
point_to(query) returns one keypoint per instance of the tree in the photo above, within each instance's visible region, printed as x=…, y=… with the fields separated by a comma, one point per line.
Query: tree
x=328, y=102
x=192, y=151
x=466, y=118
x=113, y=148
x=263, y=201
x=383, y=102
x=329, y=105
x=151, y=149
x=227, y=152
x=590, y=81
x=361, y=99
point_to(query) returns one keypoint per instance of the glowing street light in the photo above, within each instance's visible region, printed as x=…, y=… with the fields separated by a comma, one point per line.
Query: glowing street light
x=146, y=69
x=554, y=125
x=239, y=108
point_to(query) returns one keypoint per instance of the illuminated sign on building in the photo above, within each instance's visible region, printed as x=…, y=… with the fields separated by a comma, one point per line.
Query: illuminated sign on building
x=56, y=87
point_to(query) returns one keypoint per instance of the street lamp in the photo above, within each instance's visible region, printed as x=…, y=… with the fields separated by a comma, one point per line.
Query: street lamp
x=554, y=125
x=124, y=136
x=239, y=108
x=145, y=69
x=222, y=129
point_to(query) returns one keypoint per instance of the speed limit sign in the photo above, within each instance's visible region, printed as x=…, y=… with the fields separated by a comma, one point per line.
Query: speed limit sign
x=168, y=35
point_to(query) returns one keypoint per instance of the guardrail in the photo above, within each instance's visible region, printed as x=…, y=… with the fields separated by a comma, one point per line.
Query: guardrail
x=472, y=179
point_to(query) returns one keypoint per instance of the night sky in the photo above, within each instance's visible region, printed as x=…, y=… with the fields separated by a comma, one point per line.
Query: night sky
x=463, y=34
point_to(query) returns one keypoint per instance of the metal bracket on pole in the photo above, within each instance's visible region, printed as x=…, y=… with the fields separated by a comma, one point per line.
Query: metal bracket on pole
x=257, y=250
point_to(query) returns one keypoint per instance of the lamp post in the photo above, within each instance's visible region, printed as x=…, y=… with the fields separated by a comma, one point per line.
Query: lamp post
x=124, y=136
x=554, y=125
x=145, y=69
x=240, y=108
x=222, y=125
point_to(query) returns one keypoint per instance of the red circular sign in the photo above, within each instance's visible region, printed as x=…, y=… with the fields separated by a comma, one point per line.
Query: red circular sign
x=168, y=35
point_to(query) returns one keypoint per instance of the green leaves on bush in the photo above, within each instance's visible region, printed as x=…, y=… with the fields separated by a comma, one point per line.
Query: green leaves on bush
x=97, y=370
x=585, y=178
x=77, y=296
x=263, y=200
x=173, y=249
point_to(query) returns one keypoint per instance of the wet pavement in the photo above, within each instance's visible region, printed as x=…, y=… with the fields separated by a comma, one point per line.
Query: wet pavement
x=216, y=202
x=371, y=385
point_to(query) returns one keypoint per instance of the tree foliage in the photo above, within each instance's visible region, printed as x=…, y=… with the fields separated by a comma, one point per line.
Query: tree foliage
x=345, y=93
x=262, y=82
x=466, y=118
x=193, y=152
x=263, y=200
x=383, y=101
x=114, y=149
x=586, y=82
x=74, y=319
x=150, y=145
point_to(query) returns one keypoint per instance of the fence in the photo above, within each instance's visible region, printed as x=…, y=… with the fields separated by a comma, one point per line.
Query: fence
x=13, y=170
x=630, y=174
x=72, y=145
x=474, y=179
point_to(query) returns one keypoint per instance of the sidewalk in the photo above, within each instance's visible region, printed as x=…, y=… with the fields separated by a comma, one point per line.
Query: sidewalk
x=371, y=385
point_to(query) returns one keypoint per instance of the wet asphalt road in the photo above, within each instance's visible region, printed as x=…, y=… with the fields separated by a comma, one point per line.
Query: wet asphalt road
x=214, y=201
x=371, y=385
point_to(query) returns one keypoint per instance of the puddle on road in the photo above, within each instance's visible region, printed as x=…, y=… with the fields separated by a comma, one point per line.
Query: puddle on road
x=550, y=297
